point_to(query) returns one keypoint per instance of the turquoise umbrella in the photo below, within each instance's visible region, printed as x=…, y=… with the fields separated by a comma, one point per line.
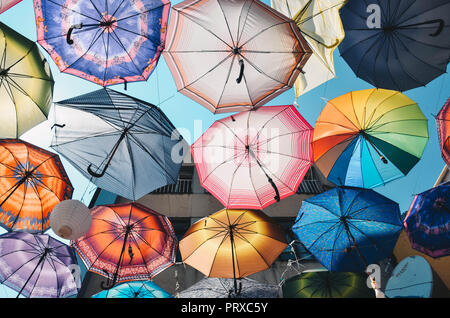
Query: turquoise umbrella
x=146, y=289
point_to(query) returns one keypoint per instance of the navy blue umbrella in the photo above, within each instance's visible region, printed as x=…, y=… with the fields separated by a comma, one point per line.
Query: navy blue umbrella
x=396, y=44
x=347, y=229
x=428, y=221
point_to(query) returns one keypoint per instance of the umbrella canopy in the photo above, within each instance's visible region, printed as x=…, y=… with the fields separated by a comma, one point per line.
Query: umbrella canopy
x=396, y=44
x=243, y=53
x=427, y=222
x=443, y=124
x=347, y=229
x=232, y=244
x=106, y=42
x=220, y=288
x=255, y=158
x=324, y=284
x=122, y=144
x=32, y=182
x=6, y=4
x=127, y=242
x=26, y=84
x=370, y=137
x=320, y=24
x=36, y=265
x=134, y=290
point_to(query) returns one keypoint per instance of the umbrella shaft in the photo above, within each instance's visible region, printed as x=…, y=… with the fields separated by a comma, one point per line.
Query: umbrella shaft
x=32, y=273
x=232, y=259
x=18, y=184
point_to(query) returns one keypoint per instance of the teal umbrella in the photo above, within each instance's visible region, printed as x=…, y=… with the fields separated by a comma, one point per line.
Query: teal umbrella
x=135, y=289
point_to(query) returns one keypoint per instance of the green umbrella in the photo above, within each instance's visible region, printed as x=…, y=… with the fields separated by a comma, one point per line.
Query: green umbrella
x=26, y=84
x=324, y=284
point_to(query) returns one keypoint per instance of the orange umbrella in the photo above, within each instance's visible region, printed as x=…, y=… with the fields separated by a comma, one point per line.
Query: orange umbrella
x=32, y=182
x=232, y=244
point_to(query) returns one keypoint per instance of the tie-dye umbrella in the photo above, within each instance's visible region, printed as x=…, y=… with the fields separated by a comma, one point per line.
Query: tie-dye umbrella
x=233, y=55
x=32, y=182
x=146, y=289
x=255, y=158
x=127, y=242
x=396, y=44
x=320, y=24
x=232, y=244
x=37, y=265
x=7, y=4
x=346, y=229
x=26, y=84
x=106, y=42
x=443, y=124
x=427, y=222
x=325, y=284
x=123, y=145
x=370, y=137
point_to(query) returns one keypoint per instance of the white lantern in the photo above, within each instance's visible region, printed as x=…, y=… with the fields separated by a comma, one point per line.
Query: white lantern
x=70, y=219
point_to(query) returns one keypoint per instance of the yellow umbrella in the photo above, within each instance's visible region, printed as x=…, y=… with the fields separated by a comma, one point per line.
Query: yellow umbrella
x=232, y=244
x=321, y=26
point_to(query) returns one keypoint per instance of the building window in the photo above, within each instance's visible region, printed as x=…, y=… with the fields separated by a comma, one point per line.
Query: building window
x=183, y=185
x=311, y=183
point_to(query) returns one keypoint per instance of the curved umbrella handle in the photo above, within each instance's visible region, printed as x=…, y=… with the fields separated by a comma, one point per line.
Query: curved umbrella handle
x=241, y=72
x=440, y=28
x=69, y=33
x=95, y=174
x=277, y=194
x=124, y=82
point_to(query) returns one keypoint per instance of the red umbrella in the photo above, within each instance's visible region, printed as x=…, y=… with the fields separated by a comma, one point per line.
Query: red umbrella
x=255, y=158
x=443, y=123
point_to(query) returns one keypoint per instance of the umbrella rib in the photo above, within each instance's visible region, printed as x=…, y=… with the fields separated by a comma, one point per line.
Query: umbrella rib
x=373, y=242
x=373, y=127
x=240, y=32
x=262, y=72
x=79, y=13
x=20, y=89
x=265, y=141
x=226, y=22
x=221, y=164
x=117, y=39
x=361, y=41
x=18, y=75
x=142, y=255
x=265, y=124
x=323, y=234
x=103, y=134
x=106, y=46
x=253, y=185
x=226, y=80
x=37, y=278
x=258, y=252
x=136, y=14
x=21, y=266
x=138, y=34
x=352, y=129
x=96, y=9
x=421, y=12
x=232, y=179
x=286, y=155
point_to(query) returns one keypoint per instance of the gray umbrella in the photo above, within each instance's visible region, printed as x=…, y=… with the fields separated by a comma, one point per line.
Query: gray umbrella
x=122, y=144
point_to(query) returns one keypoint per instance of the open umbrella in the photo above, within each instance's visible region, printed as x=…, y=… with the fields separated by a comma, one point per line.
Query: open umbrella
x=127, y=242
x=106, y=42
x=32, y=182
x=370, y=137
x=232, y=244
x=320, y=24
x=427, y=222
x=443, y=124
x=36, y=265
x=325, y=284
x=122, y=144
x=255, y=158
x=6, y=4
x=396, y=44
x=26, y=84
x=233, y=55
x=346, y=229
x=146, y=289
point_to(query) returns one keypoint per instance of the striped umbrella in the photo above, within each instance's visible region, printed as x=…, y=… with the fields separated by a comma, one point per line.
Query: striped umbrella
x=32, y=182
x=7, y=4
x=255, y=158
x=443, y=124
x=127, y=242
x=370, y=137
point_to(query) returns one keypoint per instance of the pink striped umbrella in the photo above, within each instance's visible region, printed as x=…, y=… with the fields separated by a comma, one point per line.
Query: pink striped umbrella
x=6, y=4
x=255, y=158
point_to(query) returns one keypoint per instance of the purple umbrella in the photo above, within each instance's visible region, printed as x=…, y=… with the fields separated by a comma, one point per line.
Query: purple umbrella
x=36, y=265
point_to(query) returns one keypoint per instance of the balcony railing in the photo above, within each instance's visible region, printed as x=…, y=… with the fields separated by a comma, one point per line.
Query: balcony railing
x=183, y=186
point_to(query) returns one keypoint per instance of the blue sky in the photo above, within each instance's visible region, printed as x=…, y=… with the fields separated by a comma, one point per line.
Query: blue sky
x=192, y=119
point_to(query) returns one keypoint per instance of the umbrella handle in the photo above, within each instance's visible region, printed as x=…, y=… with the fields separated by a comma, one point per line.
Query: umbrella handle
x=95, y=174
x=241, y=72
x=69, y=33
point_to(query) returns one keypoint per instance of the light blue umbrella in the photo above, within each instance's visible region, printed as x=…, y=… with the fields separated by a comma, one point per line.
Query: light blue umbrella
x=134, y=289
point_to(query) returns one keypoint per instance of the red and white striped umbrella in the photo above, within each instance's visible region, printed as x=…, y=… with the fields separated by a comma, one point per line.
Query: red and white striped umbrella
x=255, y=158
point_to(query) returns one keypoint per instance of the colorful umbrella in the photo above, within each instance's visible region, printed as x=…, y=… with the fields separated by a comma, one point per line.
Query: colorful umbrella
x=26, y=84
x=396, y=44
x=255, y=158
x=232, y=244
x=106, y=42
x=122, y=144
x=428, y=221
x=370, y=137
x=36, y=265
x=346, y=229
x=324, y=284
x=443, y=124
x=320, y=24
x=32, y=182
x=127, y=242
x=146, y=289
x=6, y=4
x=233, y=55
